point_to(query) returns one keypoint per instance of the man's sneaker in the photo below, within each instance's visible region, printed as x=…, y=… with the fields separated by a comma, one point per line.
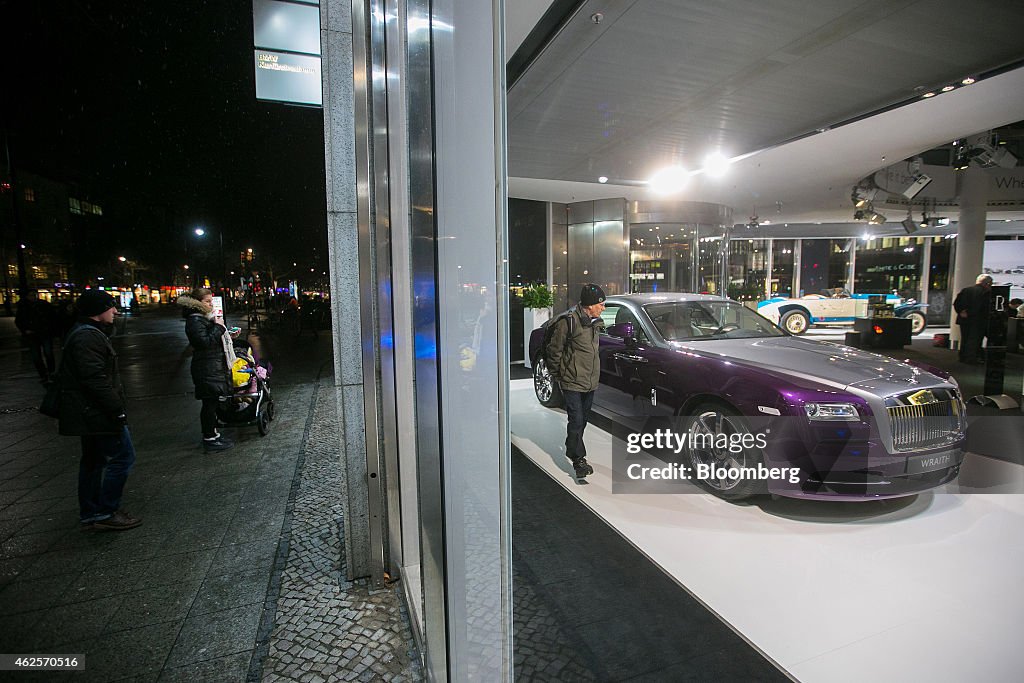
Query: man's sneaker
x=582, y=468
x=220, y=443
x=119, y=521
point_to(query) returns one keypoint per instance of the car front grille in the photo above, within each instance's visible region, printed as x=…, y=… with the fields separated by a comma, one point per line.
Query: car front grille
x=931, y=424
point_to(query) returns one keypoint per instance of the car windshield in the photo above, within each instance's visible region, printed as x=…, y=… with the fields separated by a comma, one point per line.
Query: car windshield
x=697, y=320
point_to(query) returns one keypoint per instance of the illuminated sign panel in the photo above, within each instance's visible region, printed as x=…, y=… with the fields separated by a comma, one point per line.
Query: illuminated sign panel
x=284, y=77
x=286, y=36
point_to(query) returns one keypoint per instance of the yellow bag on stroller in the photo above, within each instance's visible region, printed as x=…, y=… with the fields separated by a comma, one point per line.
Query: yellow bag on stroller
x=241, y=373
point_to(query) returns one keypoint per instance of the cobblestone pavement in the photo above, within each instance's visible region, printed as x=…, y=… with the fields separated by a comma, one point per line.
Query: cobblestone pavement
x=326, y=627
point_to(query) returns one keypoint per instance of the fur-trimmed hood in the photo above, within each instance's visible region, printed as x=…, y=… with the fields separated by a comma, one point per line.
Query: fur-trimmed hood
x=190, y=306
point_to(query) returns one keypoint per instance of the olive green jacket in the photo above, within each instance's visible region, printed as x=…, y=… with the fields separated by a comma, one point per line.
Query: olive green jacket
x=576, y=364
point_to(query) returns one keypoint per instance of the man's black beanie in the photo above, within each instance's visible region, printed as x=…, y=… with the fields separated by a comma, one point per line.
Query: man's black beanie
x=591, y=294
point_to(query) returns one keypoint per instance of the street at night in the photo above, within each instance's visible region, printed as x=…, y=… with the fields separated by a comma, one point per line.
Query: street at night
x=239, y=552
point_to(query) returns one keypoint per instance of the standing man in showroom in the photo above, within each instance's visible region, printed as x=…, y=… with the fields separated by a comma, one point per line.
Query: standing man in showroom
x=971, y=306
x=572, y=355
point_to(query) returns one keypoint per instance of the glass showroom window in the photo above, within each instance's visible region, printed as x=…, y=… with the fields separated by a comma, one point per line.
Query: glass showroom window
x=891, y=264
x=650, y=269
x=939, y=280
x=824, y=265
x=709, y=264
x=748, y=267
x=782, y=267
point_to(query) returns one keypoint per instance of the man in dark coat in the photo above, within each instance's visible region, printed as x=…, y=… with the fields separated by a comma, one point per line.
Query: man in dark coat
x=37, y=322
x=575, y=364
x=92, y=406
x=972, y=307
x=210, y=372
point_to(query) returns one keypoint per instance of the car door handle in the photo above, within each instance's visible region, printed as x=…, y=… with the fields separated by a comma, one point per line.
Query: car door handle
x=630, y=357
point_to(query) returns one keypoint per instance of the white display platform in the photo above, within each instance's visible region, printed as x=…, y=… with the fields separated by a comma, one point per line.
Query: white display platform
x=925, y=588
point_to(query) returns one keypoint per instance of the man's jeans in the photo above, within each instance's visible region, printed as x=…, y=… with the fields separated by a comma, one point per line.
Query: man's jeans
x=106, y=462
x=577, y=406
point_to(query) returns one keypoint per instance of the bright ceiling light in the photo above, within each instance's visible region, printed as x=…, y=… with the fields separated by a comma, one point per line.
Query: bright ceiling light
x=928, y=94
x=603, y=179
x=668, y=180
x=967, y=81
x=947, y=88
x=716, y=165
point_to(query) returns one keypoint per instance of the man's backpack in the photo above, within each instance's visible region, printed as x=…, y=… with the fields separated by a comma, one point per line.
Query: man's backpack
x=549, y=330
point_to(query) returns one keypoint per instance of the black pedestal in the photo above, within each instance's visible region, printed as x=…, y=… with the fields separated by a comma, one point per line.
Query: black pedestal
x=883, y=333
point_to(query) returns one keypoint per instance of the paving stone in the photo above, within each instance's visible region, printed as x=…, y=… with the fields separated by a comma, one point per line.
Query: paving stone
x=358, y=632
x=208, y=636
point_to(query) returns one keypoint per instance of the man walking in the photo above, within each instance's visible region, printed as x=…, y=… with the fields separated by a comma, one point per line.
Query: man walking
x=972, y=307
x=572, y=354
x=37, y=322
x=92, y=406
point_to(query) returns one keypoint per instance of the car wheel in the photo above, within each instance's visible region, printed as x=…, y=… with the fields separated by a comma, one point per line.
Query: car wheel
x=549, y=394
x=917, y=322
x=795, y=322
x=705, y=424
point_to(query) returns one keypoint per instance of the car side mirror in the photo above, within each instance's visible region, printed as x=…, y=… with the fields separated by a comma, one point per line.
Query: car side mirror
x=624, y=331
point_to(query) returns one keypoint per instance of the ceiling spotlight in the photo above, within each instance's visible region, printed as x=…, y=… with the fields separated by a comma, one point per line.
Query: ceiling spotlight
x=858, y=215
x=967, y=81
x=668, y=180
x=910, y=225
x=963, y=158
x=716, y=165
x=948, y=88
x=928, y=94
x=862, y=196
x=875, y=218
x=603, y=179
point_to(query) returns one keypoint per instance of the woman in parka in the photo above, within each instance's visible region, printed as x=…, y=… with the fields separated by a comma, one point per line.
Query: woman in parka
x=211, y=346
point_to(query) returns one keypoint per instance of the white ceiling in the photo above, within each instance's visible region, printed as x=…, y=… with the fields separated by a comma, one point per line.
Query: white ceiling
x=657, y=79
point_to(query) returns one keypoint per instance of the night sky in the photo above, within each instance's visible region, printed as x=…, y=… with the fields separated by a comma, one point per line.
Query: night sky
x=152, y=106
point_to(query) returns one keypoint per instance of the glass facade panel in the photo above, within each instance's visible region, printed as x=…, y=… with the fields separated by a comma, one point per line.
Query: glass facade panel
x=782, y=267
x=825, y=265
x=940, y=280
x=894, y=268
x=709, y=264
x=748, y=267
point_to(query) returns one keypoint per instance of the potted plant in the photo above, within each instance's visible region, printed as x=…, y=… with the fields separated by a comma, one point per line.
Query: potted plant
x=537, y=303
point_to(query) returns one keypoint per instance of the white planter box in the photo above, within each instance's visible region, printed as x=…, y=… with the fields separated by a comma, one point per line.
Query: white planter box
x=532, y=319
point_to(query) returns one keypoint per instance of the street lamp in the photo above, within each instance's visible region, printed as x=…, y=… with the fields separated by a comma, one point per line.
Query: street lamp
x=200, y=231
x=122, y=259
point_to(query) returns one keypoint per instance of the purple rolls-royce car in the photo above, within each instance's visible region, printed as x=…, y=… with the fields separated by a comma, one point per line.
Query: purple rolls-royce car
x=859, y=426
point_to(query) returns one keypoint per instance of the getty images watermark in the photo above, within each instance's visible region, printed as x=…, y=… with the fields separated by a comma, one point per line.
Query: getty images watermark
x=721, y=466
x=785, y=455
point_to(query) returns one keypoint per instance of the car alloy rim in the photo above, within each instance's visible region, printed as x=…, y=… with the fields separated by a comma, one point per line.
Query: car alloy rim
x=542, y=380
x=714, y=423
x=795, y=324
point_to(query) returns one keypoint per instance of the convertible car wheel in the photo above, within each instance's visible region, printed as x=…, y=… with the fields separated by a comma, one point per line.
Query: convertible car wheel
x=917, y=322
x=548, y=392
x=795, y=322
x=707, y=425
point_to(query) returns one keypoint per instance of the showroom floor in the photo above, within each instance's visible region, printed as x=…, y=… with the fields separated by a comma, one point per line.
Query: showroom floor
x=923, y=588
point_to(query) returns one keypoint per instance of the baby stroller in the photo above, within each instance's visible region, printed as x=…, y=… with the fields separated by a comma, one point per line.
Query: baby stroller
x=250, y=402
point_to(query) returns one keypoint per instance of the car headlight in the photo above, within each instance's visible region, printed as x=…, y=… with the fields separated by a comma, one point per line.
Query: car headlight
x=842, y=412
